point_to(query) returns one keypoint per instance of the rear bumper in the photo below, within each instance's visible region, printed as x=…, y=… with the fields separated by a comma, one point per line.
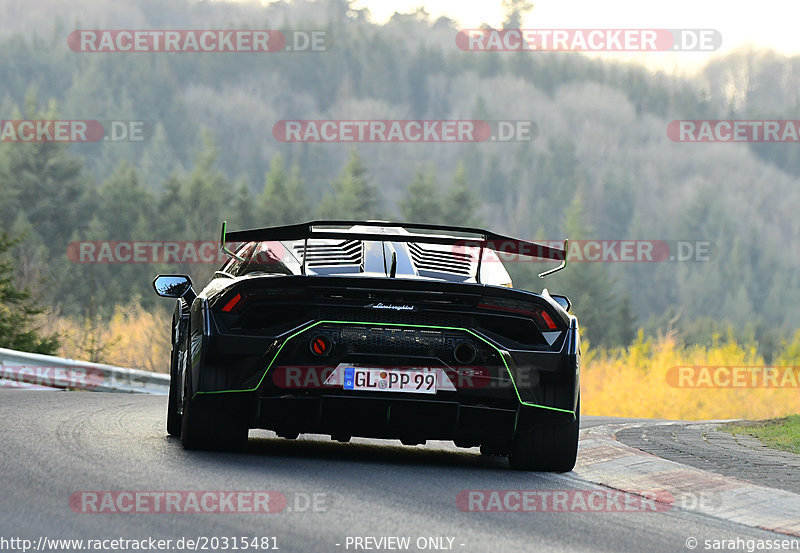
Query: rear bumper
x=517, y=388
x=410, y=420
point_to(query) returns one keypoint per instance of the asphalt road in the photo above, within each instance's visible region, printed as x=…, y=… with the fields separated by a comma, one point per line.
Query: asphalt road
x=56, y=445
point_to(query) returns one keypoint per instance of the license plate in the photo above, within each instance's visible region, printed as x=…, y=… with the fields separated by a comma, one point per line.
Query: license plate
x=389, y=380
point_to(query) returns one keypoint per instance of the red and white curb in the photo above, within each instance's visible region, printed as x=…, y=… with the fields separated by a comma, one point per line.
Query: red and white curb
x=602, y=459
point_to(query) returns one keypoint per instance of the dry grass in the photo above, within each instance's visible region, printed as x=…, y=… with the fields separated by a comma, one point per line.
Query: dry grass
x=632, y=382
x=134, y=338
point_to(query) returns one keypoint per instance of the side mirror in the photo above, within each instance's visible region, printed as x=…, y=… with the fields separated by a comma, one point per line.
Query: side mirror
x=172, y=286
x=563, y=301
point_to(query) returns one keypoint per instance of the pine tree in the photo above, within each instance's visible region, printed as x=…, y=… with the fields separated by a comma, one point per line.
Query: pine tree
x=283, y=200
x=460, y=204
x=205, y=195
x=604, y=320
x=422, y=203
x=17, y=310
x=243, y=210
x=353, y=197
x=123, y=202
x=44, y=180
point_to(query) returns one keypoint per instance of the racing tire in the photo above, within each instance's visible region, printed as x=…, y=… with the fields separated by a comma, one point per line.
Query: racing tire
x=209, y=426
x=547, y=447
x=174, y=401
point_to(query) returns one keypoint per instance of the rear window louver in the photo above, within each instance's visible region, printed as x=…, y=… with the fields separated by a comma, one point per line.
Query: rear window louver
x=446, y=261
x=347, y=252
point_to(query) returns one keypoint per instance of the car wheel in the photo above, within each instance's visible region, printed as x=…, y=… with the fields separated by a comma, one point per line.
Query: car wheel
x=207, y=425
x=547, y=448
x=174, y=401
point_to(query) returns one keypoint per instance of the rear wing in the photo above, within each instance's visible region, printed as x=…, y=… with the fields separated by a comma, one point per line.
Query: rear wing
x=472, y=237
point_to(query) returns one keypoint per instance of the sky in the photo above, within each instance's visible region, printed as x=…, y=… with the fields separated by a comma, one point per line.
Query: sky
x=771, y=25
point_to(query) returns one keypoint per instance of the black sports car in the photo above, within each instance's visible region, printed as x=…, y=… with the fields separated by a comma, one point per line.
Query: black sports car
x=379, y=330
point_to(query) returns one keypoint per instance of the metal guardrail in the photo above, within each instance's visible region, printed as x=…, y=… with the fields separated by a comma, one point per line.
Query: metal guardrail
x=33, y=371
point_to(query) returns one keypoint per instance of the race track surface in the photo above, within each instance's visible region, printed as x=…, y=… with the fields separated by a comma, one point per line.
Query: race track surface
x=59, y=444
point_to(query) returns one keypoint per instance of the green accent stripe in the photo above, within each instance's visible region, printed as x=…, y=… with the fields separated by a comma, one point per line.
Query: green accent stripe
x=402, y=325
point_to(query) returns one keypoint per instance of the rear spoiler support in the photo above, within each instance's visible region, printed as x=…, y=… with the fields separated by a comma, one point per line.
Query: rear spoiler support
x=223, y=248
x=563, y=262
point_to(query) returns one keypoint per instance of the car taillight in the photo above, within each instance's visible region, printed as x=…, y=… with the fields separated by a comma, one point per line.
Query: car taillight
x=232, y=303
x=240, y=300
x=508, y=308
x=551, y=325
x=540, y=316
